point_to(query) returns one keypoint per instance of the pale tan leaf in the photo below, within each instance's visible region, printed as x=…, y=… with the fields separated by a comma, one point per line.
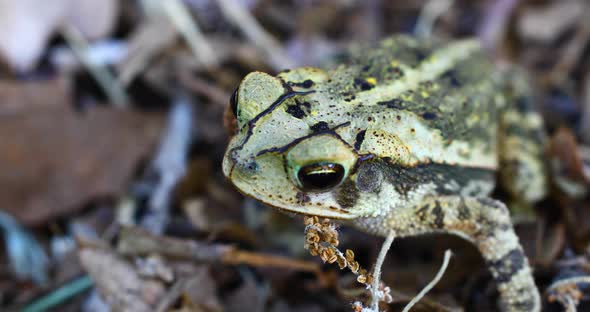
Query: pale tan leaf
x=26, y=27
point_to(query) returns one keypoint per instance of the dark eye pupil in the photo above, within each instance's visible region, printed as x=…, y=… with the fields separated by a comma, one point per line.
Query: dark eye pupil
x=233, y=102
x=320, y=177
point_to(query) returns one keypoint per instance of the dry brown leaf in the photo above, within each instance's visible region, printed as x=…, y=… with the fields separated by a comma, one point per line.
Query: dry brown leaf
x=118, y=282
x=249, y=293
x=198, y=291
x=55, y=159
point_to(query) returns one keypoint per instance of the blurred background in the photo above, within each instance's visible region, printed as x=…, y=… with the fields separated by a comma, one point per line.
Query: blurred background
x=112, y=132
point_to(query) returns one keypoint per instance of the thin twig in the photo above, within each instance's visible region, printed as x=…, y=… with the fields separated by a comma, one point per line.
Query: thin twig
x=377, y=271
x=105, y=79
x=179, y=15
x=570, y=55
x=176, y=291
x=427, y=303
x=151, y=37
x=60, y=295
x=428, y=16
x=495, y=22
x=567, y=281
x=265, y=260
x=241, y=17
x=136, y=241
x=200, y=86
x=169, y=164
x=430, y=285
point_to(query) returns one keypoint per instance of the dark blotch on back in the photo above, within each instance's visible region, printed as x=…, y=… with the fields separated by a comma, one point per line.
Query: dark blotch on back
x=363, y=84
x=347, y=194
x=394, y=104
x=304, y=84
x=360, y=137
x=429, y=116
x=420, y=55
x=296, y=111
x=320, y=127
x=451, y=76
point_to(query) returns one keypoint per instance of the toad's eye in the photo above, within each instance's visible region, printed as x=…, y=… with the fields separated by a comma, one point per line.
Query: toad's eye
x=233, y=102
x=320, y=176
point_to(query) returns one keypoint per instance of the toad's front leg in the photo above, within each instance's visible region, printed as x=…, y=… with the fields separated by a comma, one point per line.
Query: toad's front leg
x=483, y=221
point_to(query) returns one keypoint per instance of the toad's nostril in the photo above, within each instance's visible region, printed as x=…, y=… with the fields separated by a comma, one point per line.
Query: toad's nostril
x=251, y=166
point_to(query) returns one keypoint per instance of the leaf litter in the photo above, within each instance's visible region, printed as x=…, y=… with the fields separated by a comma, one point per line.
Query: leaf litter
x=128, y=201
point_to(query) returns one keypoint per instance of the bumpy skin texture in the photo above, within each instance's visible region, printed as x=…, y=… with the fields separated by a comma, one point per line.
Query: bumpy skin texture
x=406, y=136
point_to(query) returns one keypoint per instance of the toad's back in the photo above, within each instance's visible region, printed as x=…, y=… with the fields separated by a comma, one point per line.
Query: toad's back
x=417, y=101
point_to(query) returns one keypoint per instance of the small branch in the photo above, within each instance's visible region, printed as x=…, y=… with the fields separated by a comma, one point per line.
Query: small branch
x=428, y=16
x=139, y=242
x=105, y=79
x=430, y=285
x=181, y=18
x=495, y=21
x=180, y=287
x=151, y=37
x=169, y=164
x=200, y=86
x=240, y=17
x=568, y=281
x=570, y=55
x=264, y=260
x=136, y=241
x=60, y=295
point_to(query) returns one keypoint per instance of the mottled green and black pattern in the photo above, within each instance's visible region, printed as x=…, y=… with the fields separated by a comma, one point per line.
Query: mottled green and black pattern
x=445, y=103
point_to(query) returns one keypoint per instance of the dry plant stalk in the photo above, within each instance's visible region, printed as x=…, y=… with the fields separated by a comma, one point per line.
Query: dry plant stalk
x=321, y=239
x=432, y=283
